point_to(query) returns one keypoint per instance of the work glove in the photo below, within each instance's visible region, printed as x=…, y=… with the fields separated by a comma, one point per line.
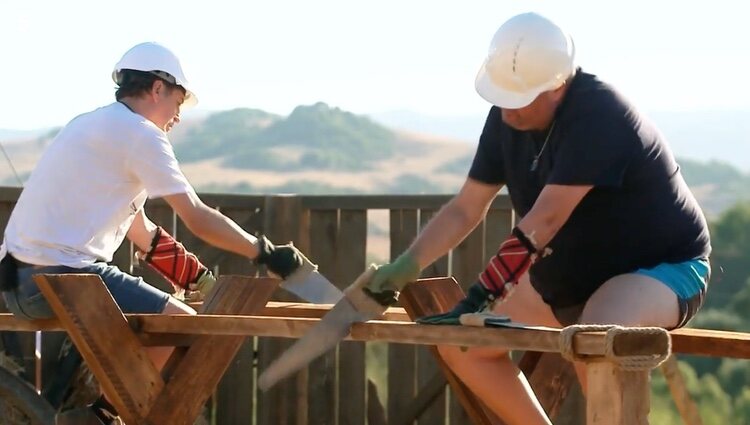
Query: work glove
x=477, y=300
x=496, y=283
x=197, y=291
x=390, y=279
x=280, y=260
x=177, y=265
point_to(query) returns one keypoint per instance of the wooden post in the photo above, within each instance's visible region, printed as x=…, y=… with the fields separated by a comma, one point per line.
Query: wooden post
x=284, y=220
x=615, y=396
x=685, y=405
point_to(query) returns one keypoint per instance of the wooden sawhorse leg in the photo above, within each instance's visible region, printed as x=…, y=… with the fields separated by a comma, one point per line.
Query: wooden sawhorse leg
x=439, y=295
x=118, y=358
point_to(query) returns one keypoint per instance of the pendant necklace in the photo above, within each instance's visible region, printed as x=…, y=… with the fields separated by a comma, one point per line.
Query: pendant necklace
x=535, y=162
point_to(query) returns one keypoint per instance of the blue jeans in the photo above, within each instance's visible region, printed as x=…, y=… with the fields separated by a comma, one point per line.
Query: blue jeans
x=131, y=293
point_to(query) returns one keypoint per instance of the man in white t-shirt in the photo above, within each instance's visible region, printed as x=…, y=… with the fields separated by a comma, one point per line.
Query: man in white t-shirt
x=87, y=193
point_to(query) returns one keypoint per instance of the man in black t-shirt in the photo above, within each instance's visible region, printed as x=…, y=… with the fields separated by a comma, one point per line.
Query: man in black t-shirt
x=608, y=231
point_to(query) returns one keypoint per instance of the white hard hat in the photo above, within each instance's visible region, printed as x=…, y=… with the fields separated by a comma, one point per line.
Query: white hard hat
x=157, y=59
x=529, y=54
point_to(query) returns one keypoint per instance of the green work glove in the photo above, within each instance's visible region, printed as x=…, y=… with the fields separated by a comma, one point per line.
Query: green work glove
x=390, y=279
x=477, y=300
x=281, y=260
x=201, y=288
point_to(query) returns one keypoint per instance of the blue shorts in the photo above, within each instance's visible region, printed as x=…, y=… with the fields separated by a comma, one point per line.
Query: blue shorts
x=131, y=293
x=688, y=280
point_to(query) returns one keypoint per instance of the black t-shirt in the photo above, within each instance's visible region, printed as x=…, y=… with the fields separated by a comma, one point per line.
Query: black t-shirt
x=640, y=212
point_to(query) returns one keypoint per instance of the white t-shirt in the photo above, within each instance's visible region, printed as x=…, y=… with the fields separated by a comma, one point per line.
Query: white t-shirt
x=83, y=194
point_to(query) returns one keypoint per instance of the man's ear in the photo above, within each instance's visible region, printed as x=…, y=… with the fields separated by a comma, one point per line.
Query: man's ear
x=157, y=88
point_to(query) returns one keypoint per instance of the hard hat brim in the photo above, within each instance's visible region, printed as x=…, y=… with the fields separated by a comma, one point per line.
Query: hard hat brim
x=190, y=100
x=498, y=96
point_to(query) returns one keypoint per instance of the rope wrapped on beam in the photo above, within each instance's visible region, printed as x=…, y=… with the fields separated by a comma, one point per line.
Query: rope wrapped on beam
x=625, y=362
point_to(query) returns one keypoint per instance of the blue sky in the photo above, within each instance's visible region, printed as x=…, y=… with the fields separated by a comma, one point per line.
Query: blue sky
x=365, y=57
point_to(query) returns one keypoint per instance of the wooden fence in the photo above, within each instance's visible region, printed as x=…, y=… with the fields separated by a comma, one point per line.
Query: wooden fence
x=333, y=231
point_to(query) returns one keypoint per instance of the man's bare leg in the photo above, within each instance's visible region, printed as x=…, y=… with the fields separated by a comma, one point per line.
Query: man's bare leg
x=160, y=355
x=490, y=373
x=630, y=300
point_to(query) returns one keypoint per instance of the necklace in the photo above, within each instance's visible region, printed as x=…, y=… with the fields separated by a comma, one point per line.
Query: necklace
x=535, y=162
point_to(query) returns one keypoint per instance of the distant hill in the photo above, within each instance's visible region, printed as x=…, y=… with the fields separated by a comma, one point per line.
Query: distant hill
x=311, y=137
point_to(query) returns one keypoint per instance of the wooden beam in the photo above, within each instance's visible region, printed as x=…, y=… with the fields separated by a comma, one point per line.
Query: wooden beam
x=706, y=342
x=101, y=333
x=201, y=367
x=288, y=309
x=434, y=296
x=521, y=338
x=8, y=322
x=616, y=397
x=426, y=395
x=685, y=405
x=700, y=342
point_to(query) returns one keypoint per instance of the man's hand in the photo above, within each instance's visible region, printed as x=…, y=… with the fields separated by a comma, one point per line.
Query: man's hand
x=477, y=300
x=281, y=260
x=390, y=279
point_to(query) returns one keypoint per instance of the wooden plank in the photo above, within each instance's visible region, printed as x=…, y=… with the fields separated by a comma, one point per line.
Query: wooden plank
x=102, y=335
x=283, y=220
x=206, y=360
x=226, y=200
x=351, y=251
x=8, y=322
x=616, y=397
x=402, y=359
x=552, y=379
x=386, y=202
x=322, y=391
x=512, y=338
x=429, y=392
x=427, y=368
x=522, y=338
x=238, y=382
x=434, y=296
x=685, y=405
x=706, y=342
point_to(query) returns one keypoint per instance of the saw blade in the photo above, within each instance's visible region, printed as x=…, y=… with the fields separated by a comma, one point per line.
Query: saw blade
x=307, y=283
x=353, y=307
x=324, y=336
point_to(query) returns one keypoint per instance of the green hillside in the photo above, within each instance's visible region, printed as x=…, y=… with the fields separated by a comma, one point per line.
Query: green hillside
x=311, y=137
x=223, y=132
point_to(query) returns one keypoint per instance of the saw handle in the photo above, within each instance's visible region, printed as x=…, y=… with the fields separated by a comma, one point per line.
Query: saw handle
x=360, y=299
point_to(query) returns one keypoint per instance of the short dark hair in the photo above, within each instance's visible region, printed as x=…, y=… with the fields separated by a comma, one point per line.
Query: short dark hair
x=133, y=83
